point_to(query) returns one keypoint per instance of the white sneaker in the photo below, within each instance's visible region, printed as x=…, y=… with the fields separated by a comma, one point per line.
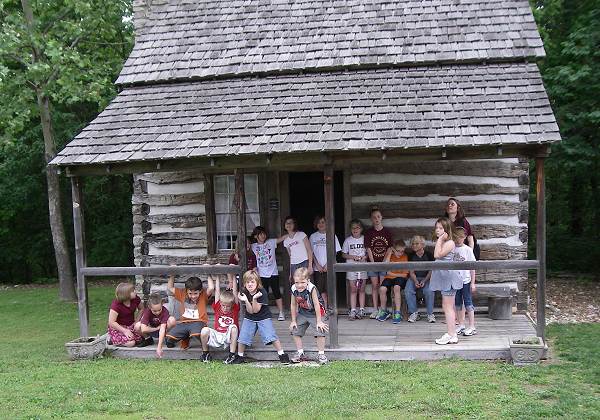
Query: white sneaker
x=431, y=318
x=446, y=339
x=281, y=317
x=374, y=314
x=414, y=317
x=460, y=329
x=470, y=331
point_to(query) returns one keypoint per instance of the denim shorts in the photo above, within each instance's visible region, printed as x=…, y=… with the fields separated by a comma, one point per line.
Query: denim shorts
x=264, y=327
x=450, y=292
x=379, y=274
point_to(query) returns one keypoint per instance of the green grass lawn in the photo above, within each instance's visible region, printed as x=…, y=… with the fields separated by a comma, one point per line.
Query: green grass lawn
x=37, y=380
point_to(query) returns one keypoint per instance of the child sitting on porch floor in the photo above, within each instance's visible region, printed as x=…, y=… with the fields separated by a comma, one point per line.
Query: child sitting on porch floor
x=307, y=310
x=190, y=311
x=122, y=328
x=464, y=299
x=394, y=280
x=353, y=251
x=257, y=317
x=155, y=322
x=225, y=331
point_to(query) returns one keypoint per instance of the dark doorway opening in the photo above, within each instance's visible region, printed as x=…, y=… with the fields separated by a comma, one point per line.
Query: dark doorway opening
x=307, y=200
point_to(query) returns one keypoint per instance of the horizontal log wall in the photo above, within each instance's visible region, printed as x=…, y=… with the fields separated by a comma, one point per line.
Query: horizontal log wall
x=169, y=224
x=494, y=195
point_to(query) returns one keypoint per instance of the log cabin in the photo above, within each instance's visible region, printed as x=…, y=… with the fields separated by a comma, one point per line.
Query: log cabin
x=323, y=107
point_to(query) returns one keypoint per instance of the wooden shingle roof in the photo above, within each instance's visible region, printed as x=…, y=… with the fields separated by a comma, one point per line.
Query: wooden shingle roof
x=233, y=78
x=185, y=39
x=464, y=105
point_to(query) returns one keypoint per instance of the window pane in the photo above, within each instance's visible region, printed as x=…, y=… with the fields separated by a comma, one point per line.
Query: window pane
x=222, y=203
x=220, y=183
x=251, y=184
x=223, y=242
x=223, y=224
x=252, y=220
x=231, y=180
x=251, y=202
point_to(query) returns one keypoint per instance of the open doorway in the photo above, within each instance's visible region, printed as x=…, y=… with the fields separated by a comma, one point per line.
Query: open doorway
x=307, y=200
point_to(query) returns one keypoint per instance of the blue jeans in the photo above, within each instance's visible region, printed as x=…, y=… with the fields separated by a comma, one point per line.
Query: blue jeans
x=264, y=327
x=410, y=293
x=464, y=296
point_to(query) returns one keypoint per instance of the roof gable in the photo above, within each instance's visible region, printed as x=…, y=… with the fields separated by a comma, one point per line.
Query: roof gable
x=190, y=39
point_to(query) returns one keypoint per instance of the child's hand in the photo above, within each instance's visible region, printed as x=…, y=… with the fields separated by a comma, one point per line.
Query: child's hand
x=444, y=236
x=324, y=270
x=159, y=352
x=256, y=296
x=242, y=297
x=321, y=326
x=473, y=287
x=293, y=325
x=128, y=334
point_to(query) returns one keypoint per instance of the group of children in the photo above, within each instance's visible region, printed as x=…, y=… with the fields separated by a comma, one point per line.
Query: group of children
x=308, y=280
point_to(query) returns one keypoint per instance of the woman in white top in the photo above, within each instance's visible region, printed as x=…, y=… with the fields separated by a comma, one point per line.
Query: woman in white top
x=298, y=246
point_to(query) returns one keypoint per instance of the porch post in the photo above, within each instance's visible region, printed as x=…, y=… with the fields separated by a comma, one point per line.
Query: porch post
x=80, y=259
x=541, y=248
x=331, y=276
x=240, y=202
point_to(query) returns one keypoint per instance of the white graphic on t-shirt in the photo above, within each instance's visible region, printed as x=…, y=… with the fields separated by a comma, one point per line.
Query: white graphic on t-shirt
x=225, y=321
x=191, y=313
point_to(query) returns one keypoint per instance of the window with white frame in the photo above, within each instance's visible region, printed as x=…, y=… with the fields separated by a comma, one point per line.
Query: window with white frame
x=226, y=213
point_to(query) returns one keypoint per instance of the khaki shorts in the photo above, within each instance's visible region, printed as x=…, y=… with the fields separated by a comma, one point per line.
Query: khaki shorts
x=303, y=323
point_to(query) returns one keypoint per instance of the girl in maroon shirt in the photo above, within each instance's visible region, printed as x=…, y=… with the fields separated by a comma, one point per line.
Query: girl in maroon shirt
x=122, y=328
x=456, y=214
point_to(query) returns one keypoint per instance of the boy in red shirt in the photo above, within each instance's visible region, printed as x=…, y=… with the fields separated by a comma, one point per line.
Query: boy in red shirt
x=226, y=326
x=155, y=322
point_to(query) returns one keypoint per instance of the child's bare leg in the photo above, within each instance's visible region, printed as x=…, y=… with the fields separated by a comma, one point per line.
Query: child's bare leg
x=171, y=322
x=145, y=331
x=279, y=303
x=450, y=314
x=277, y=345
x=233, y=337
x=397, y=298
x=374, y=291
x=241, y=348
x=353, y=292
x=383, y=297
x=321, y=344
x=298, y=342
x=130, y=343
x=362, y=295
x=471, y=319
x=204, y=334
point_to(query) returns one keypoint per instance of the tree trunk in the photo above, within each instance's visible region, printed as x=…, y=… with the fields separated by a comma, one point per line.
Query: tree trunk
x=59, y=240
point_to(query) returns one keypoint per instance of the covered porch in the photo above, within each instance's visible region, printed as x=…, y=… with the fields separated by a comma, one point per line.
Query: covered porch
x=368, y=339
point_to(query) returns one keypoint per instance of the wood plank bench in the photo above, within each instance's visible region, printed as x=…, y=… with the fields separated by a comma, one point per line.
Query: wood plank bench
x=499, y=298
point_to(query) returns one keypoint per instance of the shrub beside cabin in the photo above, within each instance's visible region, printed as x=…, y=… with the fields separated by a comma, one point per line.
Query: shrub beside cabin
x=399, y=104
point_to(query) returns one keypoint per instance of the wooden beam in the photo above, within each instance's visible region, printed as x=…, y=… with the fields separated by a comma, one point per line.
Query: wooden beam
x=439, y=265
x=331, y=274
x=164, y=270
x=541, y=248
x=80, y=257
x=285, y=161
x=209, y=208
x=240, y=204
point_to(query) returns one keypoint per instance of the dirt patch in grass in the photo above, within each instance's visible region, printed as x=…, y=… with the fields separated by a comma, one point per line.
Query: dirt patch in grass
x=569, y=298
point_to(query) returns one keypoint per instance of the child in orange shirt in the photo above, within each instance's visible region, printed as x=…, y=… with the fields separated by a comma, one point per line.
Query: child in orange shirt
x=394, y=279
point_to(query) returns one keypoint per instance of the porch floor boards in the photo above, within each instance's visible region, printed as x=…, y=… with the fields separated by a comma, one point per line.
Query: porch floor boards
x=369, y=339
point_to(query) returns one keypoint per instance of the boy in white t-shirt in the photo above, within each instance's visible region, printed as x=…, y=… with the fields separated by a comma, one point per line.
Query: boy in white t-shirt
x=318, y=243
x=354, y=251
x=463, y=299
x=266, y=264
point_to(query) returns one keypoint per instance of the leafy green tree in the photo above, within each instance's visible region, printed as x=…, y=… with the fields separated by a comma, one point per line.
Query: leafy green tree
x=58, y=54
x=571, y=72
